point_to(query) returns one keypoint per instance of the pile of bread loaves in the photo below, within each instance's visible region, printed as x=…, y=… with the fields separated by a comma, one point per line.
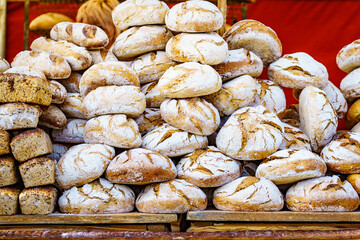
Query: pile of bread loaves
x=172, y=118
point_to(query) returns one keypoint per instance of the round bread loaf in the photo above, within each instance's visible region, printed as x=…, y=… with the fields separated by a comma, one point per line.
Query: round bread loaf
x=149, y=120
x=172, y=142
x=107, y=74
x=350, y=85
x=72, y=106
x=4, y=65
x=206, y=48
x=239, y=62
x=318, y=118
x=59, y=93
x=248, y=194
x=175, y=196
x=294, y=138
x=26, y=70
x=343, y=154
x=140, y=166
x=323, y=194
x=194, y=115
x=251, y=133
x=256, y=37
x=114, y=100
x=151, y=66
x=189, y=80
x=336, y=99
x=114, y=130
x=99, y=196
x=82, y=164
x=348, y=58
x=353, y=115
x=18, y=116
x=353, y=179
x=291, y=165
x=52, y=117
x=208, y=168
x=139, y=12
x=234, y=94
x=72, y=83
x=73, y=132
x=139, y=40
x=102, y=55
x=298, y=70
x=152, y=94
x=194, y=16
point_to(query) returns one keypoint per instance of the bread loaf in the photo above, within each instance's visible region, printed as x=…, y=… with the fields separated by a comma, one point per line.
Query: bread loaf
x=292, y=112
x=294, y=138
x=149, y=120
x=336, y=99
x=52, y=117
x=18, y=116
x=59, y=93
x=353, y=179
x=5, y=142
x=102, y=55
x=58, y=151
x=38, y=200
x=348, y=58
x=353, y=115
x=72, y=83
x=9, y=200
x=45, y=22
x=26, y=70
x=356, y=128
x=73, y=132
x=152, y=95
x=4, y=65
x=38, y=172
x=99, y=196
x=72, y=106
x=8, y=171
x=350, y=85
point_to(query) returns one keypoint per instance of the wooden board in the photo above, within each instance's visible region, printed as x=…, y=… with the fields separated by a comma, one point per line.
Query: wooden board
x=125, y=218
x=283, y=216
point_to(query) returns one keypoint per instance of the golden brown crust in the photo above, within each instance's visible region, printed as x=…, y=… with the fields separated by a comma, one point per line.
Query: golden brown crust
x=353, y=179
x=9, y=200
x=38, y=200
x=53, y=117
x=4, y=142
x=38, y=172
x=353, y=115
x=8, y=171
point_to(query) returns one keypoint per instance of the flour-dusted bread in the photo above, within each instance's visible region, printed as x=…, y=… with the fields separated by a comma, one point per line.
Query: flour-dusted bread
x=350, y=85
x=52, y=117
x=354, y=180
x=21, y=88
x=239, y=62
x=140, y=166
x=348, y=58
x=208, y=168
x=205, y=48
x=59, y=93
x=38, y=172
x=255, y=37
x=82, y=164
x=136, y=41
x=107, y=74
x=336, y=99
x=77, y=57
x=102, y=55
x=5, y=142
x=172, y=142
x=99, y=196
x=128, y=100
x=151, y=66
x=149, y=120
x=9, y=200
x=342, y=155
x=52, y=65
x=114, y=130
x=72, y=106
x=30, y=144
x=290, y=166
x=26, y=70
x=298, y=70
x=58, y=150
x=294, y=138
x=234, y=94
x=248, y=194
x=72, y=83
x=318, y=118
x=38, y=200
x=18, y=116
x=153, y=96
x=251, y=133
x=4, y=65
x=323, y=194
x=194, y=115
x=138, y=13
x=189, y=80
x=81, y=34
x=8, y=171
x=73, y=132
x=175, y=196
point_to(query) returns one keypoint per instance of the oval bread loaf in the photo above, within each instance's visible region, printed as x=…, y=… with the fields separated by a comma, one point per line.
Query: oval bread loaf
x=72, y=106
x=350, y=85
x=102, y=55
x=73, y=132
x=348, y=58
x=59, y=93
x=18, y=116
x=153, y=96
x=52, y=117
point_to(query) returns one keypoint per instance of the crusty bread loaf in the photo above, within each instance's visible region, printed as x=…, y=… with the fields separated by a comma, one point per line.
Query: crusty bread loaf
x=38, y=200
x=139, y=12
x=298, y=70
x=189, y=80
x=251, y=133
x=208, y=168
x=8, y=171
x=248, y=194
x=234, y=94
x=52, y=117
x=38, y=172
x=5, y=141
x=173, y=142
x=194, y=115
x=149, y=120
x=114, y=130
x=140, y=166
x=175, y=196
x=72, y=83
x=73, y=132
x=153, y=96
x=328, y=194
x=348, y=58
x=18, y=116
x=353, y=179
x=350, y=85
x=127, y=100
x=21, y=88
x=336, y=99
x=102, y=55
x=9, y=200
x=45, y=22
x=59, y=93
x=255, y=37
x=52, y=65
x=107, y=74
x=139, y=40
x=206, y=48
x=26, y=70
x=4, y=65
x=294, y=138
x=318, y=118
x=58, y=151
x=151, y=66
x=72, y=106
x=82, y=164
x=77, y=57
x=99, y=196
x=239, y=62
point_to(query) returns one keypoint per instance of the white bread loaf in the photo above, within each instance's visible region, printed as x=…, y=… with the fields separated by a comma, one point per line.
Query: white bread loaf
x=52, y=117
x=18, y=116
x=102, y=55
x=4, y=65
x=294, y=138
x=26, y=70
x=149, y=120
x=350, y=85
x=72, y=83
x=9, y=200
x=8, y=171
x=153, y=96
x=348, y=58
x=72, y=106
x=5, y=141
x=59, y=93
x=38, y=200
x=336, y=99
x=73, y=132
x=38, y=172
